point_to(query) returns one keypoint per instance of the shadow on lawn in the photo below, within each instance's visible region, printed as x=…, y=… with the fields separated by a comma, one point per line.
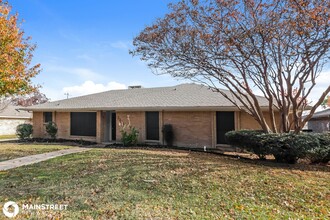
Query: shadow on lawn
x=191, y=151
x=302, y=166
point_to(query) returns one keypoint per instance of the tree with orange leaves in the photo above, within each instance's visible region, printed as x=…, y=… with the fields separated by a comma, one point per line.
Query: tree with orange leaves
x=273, y=47
x=16, y=51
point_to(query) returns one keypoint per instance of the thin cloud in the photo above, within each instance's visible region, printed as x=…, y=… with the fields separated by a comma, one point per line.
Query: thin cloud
x=69, y=35
x=82, y=73
x=125, y=45
x=90, y=87
x=85, y=73
x=86, y=57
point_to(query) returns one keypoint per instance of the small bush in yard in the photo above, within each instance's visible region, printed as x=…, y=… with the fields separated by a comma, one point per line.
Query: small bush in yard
x=24, y=131
x=321, y=153
x=168, y=134
x=129, y=134
x=247, y=140
x=286, y=147
x=130, y=137
x=51, y=129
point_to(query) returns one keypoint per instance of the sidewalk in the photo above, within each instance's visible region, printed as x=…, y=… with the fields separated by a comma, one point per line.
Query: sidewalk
x=9, y=139
x=18, y=162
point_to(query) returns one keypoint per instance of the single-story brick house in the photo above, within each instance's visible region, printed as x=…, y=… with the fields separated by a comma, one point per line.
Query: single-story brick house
x=199, y=116
x=10, y=117
x=320, y=122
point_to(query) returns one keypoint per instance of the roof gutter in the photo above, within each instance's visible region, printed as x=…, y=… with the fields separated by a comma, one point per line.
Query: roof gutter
x=150, y=108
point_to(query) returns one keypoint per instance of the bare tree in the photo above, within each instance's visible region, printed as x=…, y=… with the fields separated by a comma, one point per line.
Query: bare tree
x=34, y=98
x=274, y=47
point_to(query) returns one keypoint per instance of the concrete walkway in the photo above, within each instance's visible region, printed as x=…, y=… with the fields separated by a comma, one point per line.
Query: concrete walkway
x=18, y=162
x=9, y=139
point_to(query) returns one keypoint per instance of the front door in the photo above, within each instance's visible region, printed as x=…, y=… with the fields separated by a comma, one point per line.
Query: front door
x=110, y=126
x=225, y=122
x=113, y=126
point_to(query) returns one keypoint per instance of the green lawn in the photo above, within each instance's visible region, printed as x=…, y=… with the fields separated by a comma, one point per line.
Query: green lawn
x=168, y=184
x=14, y=150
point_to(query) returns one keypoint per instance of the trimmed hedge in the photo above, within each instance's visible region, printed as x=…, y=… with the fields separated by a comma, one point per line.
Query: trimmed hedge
x=287, y=147
x=24, y=131
x=51, y=129
x=247, y=140
x=168, y=134
x=321, y=153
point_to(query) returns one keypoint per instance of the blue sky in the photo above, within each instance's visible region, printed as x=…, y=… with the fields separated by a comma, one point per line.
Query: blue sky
x=83, y=45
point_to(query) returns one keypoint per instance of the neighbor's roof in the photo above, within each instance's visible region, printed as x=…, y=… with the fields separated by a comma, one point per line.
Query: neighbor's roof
x=11, y=112
x=322, y=114
x=180, y=97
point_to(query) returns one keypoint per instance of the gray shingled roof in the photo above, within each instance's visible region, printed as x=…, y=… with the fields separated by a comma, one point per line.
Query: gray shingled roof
x=184, y=96
x=11, y=112
x=322, y=114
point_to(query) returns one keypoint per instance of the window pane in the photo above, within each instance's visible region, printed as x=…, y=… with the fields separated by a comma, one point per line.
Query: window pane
x=152, y=125
x=83, y=123
x=48, y=116
x=225, y=122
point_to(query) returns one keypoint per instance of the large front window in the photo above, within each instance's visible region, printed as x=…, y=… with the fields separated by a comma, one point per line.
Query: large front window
x=83, y=124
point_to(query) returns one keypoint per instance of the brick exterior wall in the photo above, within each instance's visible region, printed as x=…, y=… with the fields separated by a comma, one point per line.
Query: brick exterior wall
x=137, y=120
x=245, y=121
x=38, y=125
x=191, y=129
x=62, y=120
x=99, y=128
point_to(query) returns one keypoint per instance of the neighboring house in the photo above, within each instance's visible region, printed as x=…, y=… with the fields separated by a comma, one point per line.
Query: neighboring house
x=10, y=117
x=199, y=116
x=320, y=122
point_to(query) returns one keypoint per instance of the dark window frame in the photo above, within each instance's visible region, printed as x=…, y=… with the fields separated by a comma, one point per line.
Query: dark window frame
x=83, y=124
x=113, y=126
x=153, y=134
x=48, y=117
x=222, y=126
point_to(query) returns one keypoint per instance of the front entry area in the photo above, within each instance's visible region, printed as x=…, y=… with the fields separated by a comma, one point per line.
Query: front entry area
x=110, y=126
x=225, y=121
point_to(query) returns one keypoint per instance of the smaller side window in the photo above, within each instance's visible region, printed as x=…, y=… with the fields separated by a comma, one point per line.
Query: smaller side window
x=48, y=116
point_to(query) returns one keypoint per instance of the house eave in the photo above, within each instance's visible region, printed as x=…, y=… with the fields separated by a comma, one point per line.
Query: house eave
x=147, y=108
x=14, y=117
